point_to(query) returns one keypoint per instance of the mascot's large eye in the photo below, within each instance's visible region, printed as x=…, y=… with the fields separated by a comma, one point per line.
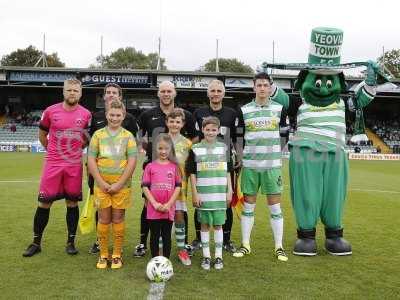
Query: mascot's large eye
x=328, y=84
x=318, y=83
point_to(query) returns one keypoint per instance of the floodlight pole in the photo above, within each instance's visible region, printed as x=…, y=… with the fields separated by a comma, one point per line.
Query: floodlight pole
x=43, y=55
x=101, y=52
x=216, y=60
x=159, y=40
x=273, y=55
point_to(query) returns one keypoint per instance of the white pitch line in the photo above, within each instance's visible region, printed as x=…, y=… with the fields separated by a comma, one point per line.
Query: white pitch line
x=375, y=191
x=367, y=190
x=19, y=181
x=137, y=181
x=156, y=291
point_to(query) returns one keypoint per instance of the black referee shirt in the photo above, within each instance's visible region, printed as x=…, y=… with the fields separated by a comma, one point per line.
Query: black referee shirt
x=228, y=118
x=152, y=121
x=99, y=121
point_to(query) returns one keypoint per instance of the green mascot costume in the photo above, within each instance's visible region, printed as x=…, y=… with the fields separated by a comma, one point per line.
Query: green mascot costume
x=318, y=163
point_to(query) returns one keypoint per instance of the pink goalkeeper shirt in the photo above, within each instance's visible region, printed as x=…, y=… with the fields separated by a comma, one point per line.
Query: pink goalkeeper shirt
x=67, y=132
x=161, y=179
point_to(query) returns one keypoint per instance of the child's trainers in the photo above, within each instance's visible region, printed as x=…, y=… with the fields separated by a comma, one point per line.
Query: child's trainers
x=140, y=251
x=242, y=251
x=101, y=263
x=218, y=264
x=116, y=262
x=206, y=263
x=184, y=258
x=281, y=255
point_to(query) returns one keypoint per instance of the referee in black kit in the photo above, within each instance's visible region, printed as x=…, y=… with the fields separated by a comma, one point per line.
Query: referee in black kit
x=112, y=92
x=151, y=123
x=229, y=120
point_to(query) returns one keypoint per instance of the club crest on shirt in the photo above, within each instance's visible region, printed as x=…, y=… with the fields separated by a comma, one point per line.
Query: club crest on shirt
x=223, y=130
x=79, y=122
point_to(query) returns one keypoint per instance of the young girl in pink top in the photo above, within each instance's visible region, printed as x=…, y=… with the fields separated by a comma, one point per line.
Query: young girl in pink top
x=161, y=185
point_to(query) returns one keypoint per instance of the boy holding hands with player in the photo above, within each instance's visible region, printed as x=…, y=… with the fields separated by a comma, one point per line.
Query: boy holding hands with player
x=209, y=166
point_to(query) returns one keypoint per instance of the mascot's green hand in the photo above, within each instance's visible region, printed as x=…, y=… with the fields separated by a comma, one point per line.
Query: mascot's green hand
x=372, y=72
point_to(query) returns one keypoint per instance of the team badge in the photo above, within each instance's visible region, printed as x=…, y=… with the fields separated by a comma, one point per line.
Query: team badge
x=79, y=122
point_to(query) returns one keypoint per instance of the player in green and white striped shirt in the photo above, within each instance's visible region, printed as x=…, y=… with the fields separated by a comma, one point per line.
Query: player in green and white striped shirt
x=209, y=166
x=262, y=160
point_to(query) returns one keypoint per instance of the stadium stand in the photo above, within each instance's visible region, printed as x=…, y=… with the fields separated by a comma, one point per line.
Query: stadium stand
x=22, y=134
x=389, y=132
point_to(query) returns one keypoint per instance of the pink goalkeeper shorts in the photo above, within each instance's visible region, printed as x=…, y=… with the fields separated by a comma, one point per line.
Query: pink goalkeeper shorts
x=59, y=182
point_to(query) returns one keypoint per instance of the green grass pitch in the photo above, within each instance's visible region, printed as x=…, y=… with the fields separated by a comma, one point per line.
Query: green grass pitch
x=372, y=225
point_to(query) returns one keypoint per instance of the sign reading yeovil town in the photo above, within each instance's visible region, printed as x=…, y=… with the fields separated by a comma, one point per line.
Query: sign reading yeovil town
x=186, y=81
x=128, y=79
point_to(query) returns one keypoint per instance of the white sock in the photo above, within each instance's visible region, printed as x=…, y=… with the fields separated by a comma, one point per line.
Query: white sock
x=205, y=243
x=276, y=224
x=247, y=222
x=218, y=238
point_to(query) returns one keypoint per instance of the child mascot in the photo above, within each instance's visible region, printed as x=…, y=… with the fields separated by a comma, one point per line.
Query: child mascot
x=318, y=163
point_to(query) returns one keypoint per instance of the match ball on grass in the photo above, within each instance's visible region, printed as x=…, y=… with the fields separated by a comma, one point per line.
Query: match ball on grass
x=159, y=269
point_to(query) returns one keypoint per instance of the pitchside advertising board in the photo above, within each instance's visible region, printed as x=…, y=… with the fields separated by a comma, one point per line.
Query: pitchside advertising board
x=14, y=148
x=34, y=148
x=365, y=156
x=7, y=148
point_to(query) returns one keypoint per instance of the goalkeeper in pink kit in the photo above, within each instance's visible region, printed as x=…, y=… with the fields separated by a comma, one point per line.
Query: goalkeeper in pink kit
x=63, y=132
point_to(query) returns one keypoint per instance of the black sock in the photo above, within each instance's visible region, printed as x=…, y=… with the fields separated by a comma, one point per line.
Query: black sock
x=39, y=223
x=227, y=227
x=144, y=226
x=72, y=218
x=197, y=225
x=185, y=217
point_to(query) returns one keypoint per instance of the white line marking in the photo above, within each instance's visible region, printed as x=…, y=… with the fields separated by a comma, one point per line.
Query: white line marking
x=156, y=291
x=19, y=181
x=375, y=191
x=137, y=181
x=367, y=190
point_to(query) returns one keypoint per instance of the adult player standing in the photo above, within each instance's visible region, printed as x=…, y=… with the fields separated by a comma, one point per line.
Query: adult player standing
x=63, y=132
x=262, y=161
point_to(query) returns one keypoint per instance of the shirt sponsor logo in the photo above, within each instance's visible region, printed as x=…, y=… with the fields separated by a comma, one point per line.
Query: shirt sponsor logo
x=263, y=124
x=204, y=166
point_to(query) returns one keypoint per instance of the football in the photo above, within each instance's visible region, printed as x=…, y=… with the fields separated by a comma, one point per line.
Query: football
x=159, y=269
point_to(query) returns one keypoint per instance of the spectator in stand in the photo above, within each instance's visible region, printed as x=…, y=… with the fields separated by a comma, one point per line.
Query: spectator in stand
x=13, y=127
